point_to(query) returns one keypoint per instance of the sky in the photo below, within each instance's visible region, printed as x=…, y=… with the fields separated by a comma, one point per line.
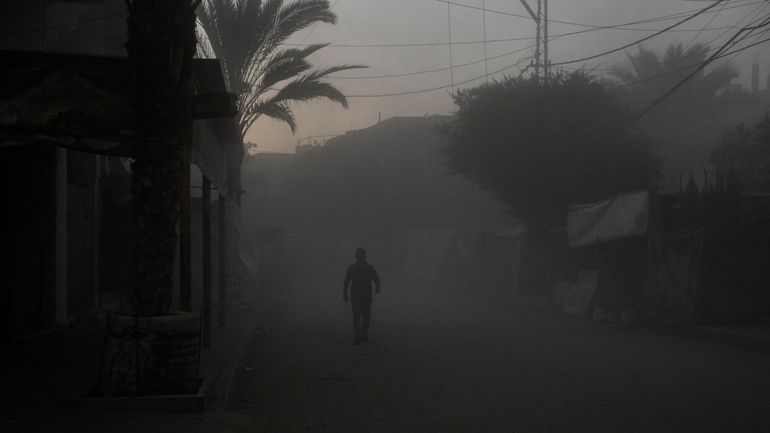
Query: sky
x=383, y=22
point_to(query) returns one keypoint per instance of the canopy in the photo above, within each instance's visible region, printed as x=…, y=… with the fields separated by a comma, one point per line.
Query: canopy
x=81, y=102
x=618, y=217
x=86, y=103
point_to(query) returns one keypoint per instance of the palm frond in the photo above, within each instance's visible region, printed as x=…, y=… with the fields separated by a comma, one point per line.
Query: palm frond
x=323, y=72
x=275, y=110
x=246, y=35
x=300, y=14
x=307, y=88
x=646, y=63
x=286, y=64
x=673, y=56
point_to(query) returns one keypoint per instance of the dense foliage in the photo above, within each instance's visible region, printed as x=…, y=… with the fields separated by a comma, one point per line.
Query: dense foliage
x=689, y=121
x=648, y=76
x=746, y=152
x=541, y=147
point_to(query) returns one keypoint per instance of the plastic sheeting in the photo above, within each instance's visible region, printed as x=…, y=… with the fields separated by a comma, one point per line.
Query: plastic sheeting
x=615, y=218
x=674, y=263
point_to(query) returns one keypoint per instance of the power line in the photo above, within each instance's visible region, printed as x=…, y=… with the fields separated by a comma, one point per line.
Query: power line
x=646, y=38
x=676, y=71
x=489, y=41
x=433, y=89
x=684, y=68
x=528, y=38
x=717, y=56
x=695, y=37
x=428, y=71
x=572, y=23
x=751, y=14
x=554, y=37
x=729, y=44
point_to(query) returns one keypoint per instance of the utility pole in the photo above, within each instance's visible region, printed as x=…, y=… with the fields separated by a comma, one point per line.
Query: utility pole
x=539, y=39
x=451, y=63
x=484, y=25
x=540, y=17
x=546, y=61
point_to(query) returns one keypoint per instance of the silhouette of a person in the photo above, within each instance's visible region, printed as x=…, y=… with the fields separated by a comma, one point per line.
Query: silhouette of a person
x=358, y=280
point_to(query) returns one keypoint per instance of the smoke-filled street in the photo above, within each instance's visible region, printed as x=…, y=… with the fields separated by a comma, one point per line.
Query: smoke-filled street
x=451, y=363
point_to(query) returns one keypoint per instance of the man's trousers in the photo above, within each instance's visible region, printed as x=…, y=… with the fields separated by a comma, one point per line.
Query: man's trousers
x=362, y=315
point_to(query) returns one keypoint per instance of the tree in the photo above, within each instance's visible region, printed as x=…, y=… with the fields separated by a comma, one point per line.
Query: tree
x=539, y=147
x=745, y=151
x=650, y=76
x=161, y=45
x=685, y=124
x=246, y=36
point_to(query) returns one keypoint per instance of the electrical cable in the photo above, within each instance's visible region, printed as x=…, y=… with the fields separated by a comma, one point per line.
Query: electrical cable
x=529, y=38
x=751, y=14
x=673, y=72
x=699, y=12
x=433, y=89
x=526, y=38
x=713, y=57
x=681, y=69
x=729, y=44
x=695, y=37
x=555, y=37
x=617, y=26
x=646, y=38
x=428, y=71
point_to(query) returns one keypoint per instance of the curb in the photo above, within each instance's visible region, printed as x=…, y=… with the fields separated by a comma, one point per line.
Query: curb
x=227, y=375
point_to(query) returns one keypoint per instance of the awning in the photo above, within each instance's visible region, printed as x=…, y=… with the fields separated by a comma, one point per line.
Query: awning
x=86, y=103
x=619, y=217
x=81, y=102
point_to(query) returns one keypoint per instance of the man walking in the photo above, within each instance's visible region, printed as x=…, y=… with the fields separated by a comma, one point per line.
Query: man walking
x=359, y=280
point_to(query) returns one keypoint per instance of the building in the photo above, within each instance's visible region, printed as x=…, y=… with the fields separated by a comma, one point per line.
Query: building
x=66, y=134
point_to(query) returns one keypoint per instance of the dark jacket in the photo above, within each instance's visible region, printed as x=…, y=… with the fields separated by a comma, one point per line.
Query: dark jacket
x=360, y=276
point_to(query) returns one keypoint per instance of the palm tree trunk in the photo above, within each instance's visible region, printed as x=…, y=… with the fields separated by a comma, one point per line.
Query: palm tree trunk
x=161, y=45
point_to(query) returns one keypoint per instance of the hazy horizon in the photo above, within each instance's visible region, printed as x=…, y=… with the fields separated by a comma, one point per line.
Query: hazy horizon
x=373, y=22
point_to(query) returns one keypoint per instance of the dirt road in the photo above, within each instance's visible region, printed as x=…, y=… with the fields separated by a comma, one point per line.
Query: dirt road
x=440, y=363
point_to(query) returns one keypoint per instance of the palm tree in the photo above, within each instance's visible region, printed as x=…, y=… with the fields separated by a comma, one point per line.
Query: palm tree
x=161, y=45
x=650, y=76
x=246, y=36
x=686, y=123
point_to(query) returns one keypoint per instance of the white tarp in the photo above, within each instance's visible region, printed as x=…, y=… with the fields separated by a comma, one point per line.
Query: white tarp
x=619, y=217
x=580, y=292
